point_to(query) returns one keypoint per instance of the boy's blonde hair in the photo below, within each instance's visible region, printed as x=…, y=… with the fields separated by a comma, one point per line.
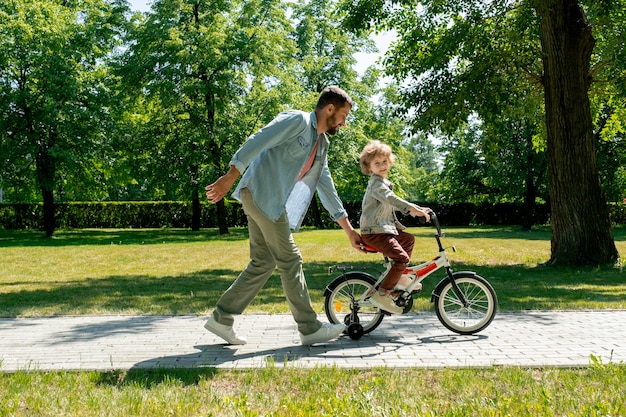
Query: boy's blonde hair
x=373, y=149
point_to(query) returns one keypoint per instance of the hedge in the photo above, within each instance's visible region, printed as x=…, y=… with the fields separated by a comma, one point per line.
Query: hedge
x=177, y=214
x=128, y=214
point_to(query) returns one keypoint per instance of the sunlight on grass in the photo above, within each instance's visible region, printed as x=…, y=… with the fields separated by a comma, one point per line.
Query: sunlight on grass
x=183, y=272
x=168, y=271
x=510, y=391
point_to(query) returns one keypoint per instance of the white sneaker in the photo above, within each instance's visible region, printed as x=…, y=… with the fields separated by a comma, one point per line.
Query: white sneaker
x=324, y=334
x=225, y=332
x=385, y=302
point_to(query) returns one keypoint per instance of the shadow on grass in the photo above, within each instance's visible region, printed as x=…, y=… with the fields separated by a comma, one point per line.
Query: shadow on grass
x=518, y=288
x=128, y=294
x=498, y=233
x=190, y=369
x=149, y=378
x=83, y=237
x=505, y=232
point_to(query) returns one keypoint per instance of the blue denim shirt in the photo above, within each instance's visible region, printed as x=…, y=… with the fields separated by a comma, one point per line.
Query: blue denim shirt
x=378, y=214
x=271, y=161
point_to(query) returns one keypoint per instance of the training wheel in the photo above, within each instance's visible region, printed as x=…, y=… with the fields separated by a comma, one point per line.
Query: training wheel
x=408, y=306
x=355, y=331
x=349, y=319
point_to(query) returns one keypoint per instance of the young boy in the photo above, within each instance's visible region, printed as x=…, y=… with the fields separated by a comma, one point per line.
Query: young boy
x=380, y=227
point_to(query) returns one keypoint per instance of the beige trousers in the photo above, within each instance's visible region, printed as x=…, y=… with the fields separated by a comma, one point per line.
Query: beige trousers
x=271, y=246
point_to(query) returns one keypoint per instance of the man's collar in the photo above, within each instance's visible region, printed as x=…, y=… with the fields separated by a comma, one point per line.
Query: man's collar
x=314, y=120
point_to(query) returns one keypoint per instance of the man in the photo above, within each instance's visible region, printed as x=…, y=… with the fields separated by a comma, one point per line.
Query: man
x=284, y=164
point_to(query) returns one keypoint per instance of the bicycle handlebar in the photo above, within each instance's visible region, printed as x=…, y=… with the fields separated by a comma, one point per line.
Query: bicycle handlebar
x=434, y=220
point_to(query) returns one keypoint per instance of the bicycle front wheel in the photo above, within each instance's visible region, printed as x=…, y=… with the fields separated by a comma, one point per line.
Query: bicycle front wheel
x=481, y=303
x=344, y=301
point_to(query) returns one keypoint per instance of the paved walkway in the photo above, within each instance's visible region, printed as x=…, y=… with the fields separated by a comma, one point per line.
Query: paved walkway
x=533, y=339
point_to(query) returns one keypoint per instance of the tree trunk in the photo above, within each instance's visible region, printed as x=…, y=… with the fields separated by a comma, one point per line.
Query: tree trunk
x=317, y=214
x=222, y=222
x=214, y=148
x=532, y=177
x=195, y=212
x=46, y=171
x=528, y=214
x=48, y=212
x=581, y=229
x=195, y=198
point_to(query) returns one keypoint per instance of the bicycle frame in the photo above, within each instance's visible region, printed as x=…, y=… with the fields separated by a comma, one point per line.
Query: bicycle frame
x=464, y=302
x=420, y=272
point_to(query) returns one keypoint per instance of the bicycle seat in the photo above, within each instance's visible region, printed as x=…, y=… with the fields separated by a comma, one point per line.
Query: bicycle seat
x=370, y=249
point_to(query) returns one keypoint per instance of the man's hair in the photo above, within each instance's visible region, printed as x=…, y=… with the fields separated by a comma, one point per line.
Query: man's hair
x=372, y=150
x=335, y=96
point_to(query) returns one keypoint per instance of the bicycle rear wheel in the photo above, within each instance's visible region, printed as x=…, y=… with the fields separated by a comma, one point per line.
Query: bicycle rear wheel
x=342, y=301
x=480, y=310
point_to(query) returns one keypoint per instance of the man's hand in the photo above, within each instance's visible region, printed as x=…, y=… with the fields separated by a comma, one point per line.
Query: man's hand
x=355, y=238
x=356, y=242
x=216, y=191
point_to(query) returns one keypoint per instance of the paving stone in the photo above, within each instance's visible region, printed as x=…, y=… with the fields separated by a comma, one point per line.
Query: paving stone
x=526, y=339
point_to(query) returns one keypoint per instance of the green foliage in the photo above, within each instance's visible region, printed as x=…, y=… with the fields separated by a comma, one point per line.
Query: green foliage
x=459, y=63
x=325, y=52
x=100, y=105
x=608, y=99
x=456, y=59
x=55, y=94
x=205, y=76
x=497, y=165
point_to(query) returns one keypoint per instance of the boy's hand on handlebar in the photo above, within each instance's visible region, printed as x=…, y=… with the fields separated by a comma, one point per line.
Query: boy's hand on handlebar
x=424, y=212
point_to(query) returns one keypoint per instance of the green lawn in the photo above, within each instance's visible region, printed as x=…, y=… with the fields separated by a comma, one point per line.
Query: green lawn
x=181, y=272
x=330, y=392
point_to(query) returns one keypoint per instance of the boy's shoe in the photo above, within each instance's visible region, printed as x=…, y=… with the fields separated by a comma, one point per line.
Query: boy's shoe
x=385, y=302
x=324, y=334
x=225, y=332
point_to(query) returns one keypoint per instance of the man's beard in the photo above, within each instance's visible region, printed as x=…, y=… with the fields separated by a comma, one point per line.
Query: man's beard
x=332, y=121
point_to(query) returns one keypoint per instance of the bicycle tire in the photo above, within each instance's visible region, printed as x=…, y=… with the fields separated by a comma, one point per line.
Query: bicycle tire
x=342, y=294
x=482, y=307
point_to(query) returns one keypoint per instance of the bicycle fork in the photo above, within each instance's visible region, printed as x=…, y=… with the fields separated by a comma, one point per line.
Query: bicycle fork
x=455, y=288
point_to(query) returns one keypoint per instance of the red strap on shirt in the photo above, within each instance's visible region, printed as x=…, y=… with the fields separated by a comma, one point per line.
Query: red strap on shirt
x=309, y=162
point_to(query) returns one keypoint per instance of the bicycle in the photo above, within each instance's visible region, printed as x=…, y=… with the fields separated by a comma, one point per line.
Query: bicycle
x=464, y=302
